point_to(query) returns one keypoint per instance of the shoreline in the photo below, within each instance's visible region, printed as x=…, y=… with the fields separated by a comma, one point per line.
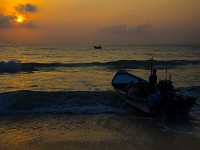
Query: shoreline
x=103, y=131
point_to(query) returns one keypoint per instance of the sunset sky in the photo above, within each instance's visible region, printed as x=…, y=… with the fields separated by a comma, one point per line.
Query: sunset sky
x=100, y=21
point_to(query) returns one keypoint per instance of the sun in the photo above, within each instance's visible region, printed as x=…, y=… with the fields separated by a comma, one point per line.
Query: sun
x=20, y=19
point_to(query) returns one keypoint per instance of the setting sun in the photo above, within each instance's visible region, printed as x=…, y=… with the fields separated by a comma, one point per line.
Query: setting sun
x=20, y=19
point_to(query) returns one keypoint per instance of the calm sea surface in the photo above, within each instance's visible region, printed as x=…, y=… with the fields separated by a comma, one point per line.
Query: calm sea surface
x=60, y=97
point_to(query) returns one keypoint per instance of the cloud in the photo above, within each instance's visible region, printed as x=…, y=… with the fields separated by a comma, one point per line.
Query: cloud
x=6, y=21
x=27, y=8
x=10, y=21
x=123, y=29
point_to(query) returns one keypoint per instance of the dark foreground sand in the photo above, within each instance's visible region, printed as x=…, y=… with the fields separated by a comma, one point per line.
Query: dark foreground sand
x=95, y=132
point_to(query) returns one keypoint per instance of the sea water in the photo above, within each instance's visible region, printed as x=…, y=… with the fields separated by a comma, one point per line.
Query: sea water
x=60, y=97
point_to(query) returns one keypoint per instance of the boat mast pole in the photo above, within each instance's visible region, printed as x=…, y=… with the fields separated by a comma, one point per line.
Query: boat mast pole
x=152, y=65
x=166, y=72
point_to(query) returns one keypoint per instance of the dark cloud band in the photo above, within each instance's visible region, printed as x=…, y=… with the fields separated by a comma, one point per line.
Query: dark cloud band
x=27, y=8
x=6, y=21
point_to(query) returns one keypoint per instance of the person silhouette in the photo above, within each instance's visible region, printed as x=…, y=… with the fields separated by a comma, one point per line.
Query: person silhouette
x=153, y=80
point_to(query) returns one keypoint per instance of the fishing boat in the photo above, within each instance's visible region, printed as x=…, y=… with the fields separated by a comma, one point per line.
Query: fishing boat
x=182, y=103
x=98, y=47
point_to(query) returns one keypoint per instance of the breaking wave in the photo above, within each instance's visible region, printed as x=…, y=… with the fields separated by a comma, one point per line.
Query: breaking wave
x=16, y=66
x=10, y=66
x=73, y=102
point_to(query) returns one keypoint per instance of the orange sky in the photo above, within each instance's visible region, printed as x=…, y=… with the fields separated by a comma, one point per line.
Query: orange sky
x=100, y=21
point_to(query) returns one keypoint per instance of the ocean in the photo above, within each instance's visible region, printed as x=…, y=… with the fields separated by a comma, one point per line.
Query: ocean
x=60, y=97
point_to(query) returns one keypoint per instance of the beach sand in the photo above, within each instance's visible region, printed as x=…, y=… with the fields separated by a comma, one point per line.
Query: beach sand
x=97, y=132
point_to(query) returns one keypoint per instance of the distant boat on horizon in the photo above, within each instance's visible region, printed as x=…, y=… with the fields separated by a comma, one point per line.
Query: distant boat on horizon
x=98, y=47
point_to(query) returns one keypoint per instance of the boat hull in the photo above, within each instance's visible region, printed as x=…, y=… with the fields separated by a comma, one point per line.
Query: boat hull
x=181, y=103
x=138, y=103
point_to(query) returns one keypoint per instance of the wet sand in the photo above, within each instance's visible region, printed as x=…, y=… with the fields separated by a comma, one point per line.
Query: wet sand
x=103, y=131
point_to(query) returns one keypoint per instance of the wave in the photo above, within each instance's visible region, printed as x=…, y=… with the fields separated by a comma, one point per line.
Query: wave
x=73, y=102
x=16, y=66
x=10, y=66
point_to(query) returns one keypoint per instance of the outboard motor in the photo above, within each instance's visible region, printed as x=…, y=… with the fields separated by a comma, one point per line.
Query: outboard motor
x=166, y=97
x=165, y=86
